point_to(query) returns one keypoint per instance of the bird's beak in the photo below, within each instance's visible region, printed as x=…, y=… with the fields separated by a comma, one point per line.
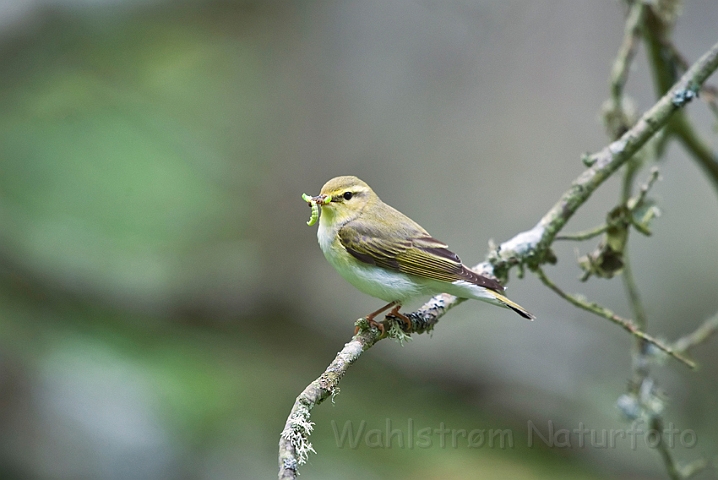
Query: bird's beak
x=322, y=199
x=319, y=200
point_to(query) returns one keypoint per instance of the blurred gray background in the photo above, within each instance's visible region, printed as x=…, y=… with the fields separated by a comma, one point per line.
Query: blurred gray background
x=162, y=301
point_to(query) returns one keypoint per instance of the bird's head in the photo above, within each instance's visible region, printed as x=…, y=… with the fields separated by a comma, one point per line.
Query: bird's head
x=343, y=199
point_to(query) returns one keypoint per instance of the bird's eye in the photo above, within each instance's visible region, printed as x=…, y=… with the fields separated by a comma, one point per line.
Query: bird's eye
x=348, y=195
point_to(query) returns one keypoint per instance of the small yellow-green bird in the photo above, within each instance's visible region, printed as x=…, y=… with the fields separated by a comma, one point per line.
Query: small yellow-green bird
x=387, y=255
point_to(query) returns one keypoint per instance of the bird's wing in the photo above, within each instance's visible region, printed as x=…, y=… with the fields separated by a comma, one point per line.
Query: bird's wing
x=416, y=253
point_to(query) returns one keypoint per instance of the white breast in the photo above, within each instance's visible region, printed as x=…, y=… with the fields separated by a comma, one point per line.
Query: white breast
x=378, y=282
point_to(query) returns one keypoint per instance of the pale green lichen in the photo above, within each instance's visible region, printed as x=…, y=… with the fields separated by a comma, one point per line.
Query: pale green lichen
x=335, y=391
x=297, y=432
x=395, y=331
x=362, y=324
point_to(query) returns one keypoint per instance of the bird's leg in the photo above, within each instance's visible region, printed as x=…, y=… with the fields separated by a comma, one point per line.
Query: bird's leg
x=395, y=313
x=373, y=323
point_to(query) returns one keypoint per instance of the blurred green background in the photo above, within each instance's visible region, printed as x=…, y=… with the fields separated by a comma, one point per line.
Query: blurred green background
x=162, y=301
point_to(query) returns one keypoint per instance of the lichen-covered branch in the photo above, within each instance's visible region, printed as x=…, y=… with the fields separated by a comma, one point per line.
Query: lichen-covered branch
x=531, y=248
x=294, y=445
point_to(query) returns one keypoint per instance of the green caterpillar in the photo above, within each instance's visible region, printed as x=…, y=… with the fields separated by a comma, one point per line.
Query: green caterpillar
x=315, y=209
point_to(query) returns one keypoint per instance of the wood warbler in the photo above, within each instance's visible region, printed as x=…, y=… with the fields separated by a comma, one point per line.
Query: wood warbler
x=387, y=255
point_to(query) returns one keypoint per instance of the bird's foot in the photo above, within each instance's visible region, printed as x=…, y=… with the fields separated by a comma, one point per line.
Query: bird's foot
x=394, y=313
x=368, y=322
x=373, y=323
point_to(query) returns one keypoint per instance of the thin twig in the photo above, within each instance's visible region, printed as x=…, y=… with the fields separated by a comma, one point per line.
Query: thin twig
x=616, y=117
x=673, y=468
x=656, y=37
x=663, y=58
x=709, y=94
x=697, y=147
x=634, y=296
x=641, y=367
x=632, y=203
x=604, y=312
x=698, y=336
x=694, y=468
x=668, y=460
x=583, y=234
x=627, y=50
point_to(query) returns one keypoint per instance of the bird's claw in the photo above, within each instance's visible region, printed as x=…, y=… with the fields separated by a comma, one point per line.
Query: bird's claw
x=368, y=323
x=403, y=320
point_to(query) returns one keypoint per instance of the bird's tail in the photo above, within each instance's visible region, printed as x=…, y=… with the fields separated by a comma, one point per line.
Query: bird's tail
x=512, y=305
